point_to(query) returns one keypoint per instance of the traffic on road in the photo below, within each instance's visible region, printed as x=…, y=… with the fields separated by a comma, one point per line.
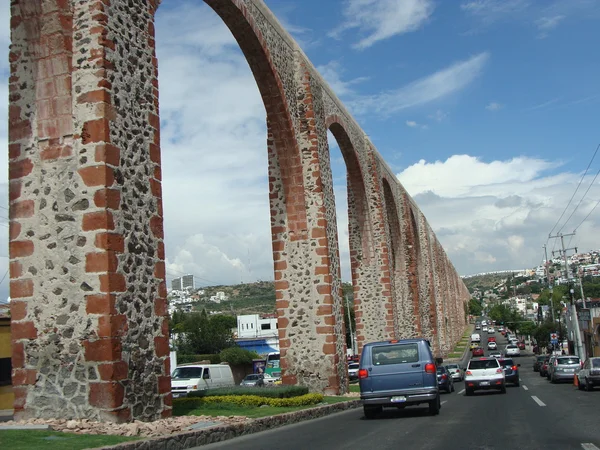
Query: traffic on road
x=494, y=401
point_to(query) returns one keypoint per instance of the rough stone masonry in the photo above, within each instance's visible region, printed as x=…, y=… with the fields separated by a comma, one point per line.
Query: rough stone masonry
x=87, y=274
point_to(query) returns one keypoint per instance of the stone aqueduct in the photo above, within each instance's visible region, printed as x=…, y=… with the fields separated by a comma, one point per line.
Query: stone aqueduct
x=87, y=271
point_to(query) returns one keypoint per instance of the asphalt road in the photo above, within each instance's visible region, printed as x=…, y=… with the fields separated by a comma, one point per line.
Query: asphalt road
x=536, y=415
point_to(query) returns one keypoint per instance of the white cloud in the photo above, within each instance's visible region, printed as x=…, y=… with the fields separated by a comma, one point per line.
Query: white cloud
x=496, y=215
x=490, y=11
x=383, y=19
x=433, y=87
x=493, y=106
x=331, y=73
x=548, y=23
x=438, y=116
x=413, y=124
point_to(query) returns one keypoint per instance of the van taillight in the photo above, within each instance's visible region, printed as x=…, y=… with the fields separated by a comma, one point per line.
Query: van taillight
x=430, y=368
x=362, y=374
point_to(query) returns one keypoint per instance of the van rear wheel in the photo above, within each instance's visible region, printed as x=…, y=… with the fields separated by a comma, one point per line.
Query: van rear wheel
x=372, y=411
x=434, y=406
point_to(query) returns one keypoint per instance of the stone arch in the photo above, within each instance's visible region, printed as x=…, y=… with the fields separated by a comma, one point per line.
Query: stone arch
x=85, y=142
x=413, y=265
x=398, y=265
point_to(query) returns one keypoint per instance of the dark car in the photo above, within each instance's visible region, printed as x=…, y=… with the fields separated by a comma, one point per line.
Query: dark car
x=478, y=351
x=511, y=370
x=445, y=381
x=253, y=380
x=398, y=373
x=539, y=360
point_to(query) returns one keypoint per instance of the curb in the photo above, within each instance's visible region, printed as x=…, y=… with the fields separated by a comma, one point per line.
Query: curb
x=470, y=327
x=220, y=433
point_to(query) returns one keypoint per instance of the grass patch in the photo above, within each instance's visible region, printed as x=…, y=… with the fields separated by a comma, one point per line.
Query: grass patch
x=36, y=439
x=455, y=355
x=354, y=388
x=253, y=412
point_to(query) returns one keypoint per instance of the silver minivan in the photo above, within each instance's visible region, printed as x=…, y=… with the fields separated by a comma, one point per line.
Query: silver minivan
x=398, y=373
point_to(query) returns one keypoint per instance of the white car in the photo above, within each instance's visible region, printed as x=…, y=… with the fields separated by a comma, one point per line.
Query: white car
x=495, y=355
x=484, y=328
x=353, y=371
x=484, y=373
x=491, y=330
x=512, y=350
x=492, y=345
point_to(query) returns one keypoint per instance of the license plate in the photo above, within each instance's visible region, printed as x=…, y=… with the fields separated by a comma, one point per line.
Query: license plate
x=570, y=370
x=485, y=383
x=398, y=399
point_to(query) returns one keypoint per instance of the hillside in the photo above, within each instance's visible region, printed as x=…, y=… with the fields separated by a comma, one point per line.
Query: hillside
x=247, y=298
x=484, y=282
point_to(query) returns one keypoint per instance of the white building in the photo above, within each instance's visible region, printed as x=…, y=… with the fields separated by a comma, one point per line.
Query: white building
x=219, y=297
x=255, y=326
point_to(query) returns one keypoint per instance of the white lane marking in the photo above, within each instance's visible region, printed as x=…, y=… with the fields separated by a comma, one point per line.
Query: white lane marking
x=461, y=392
x=443, y=402
x=589, y=446
x=525, y=387
x=538, y=401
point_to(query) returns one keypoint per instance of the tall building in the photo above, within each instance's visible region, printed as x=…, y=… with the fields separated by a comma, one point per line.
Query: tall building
x=183, y=283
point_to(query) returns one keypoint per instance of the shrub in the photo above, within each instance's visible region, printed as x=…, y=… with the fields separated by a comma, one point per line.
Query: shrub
x=185, y=359
x=189, y=403
x=267, y=392
x=237, y=356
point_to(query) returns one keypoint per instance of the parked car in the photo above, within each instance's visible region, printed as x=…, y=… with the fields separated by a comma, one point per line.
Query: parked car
x=253, y=380
x=589, y=375
x=445, y=380
x=511, y=370
x=547, y=367
x=544, y=366
x=353, y=371
x=537, y=363
x=198, y=377
x=521, y=345
x=457, y=373
x=398, y=373
x=484, y=373
x=563, y=368
x=478, y=351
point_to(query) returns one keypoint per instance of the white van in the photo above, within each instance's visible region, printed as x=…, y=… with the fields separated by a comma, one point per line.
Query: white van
x=475, y=337
x=198, y=377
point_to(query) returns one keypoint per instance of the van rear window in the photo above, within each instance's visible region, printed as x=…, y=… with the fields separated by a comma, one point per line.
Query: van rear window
x=395, y=354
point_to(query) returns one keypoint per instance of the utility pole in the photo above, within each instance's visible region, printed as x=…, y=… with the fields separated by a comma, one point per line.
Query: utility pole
x=548, y=282
x=572, y=307
x=581, y=287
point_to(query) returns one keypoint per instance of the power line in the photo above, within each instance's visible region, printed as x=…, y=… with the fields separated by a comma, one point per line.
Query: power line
x=580, y=200
x=576, y=189
x=585, y=218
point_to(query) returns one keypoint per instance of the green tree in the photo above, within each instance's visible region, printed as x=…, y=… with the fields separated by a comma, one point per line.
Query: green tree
x=238, y=355
x=475, y=307
x=204, y=334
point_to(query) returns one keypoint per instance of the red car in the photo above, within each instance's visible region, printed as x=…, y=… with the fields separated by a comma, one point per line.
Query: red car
x=521, y=345
x=491, y=339
x=478, y=351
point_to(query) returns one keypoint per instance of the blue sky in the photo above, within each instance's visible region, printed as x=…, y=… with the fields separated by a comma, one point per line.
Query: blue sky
x=486, y=110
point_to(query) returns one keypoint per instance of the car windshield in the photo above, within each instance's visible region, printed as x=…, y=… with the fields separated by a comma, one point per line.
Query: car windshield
x=568, y=360
x=511, y=346
x=596, y=362
x=452, y=366
x=353, y=366
x=251, y=377
x=483, y=364
x=395, y=354
x=187, y=372
x=507, y=362
x=441, y=370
